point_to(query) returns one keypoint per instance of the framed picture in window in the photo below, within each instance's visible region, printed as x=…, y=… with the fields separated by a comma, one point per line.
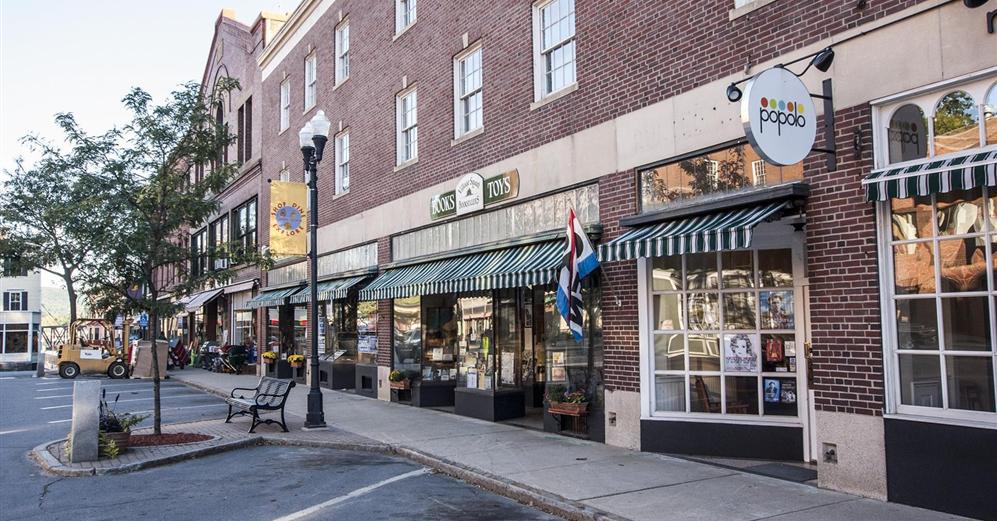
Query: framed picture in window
x=777, y=309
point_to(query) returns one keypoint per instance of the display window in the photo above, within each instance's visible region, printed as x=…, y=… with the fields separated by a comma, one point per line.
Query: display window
x=244, y=328
x=341, y=331
x=273, y=329
x=439, y=357
x=475, y=332
x=724, y=333
x=301, y=330
x=366, y=332
x=407, y=336
x=563, y=362
x=942, y=298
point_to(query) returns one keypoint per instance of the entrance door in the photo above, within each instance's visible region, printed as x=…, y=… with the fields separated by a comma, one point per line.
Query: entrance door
x=806, y=375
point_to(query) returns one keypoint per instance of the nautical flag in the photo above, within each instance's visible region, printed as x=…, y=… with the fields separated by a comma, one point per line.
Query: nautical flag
x=579, y=261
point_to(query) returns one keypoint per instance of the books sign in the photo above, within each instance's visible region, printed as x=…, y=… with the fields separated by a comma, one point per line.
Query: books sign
x=779, y=117
x=473, y=193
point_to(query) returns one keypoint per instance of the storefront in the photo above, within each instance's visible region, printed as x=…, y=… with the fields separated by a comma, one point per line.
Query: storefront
x=474, y=325
x=935, y=192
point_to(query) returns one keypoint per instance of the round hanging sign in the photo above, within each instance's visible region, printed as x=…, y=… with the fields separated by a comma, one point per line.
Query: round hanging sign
x=779, y=117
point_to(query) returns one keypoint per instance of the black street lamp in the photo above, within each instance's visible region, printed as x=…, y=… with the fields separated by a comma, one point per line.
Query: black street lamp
x=312, y=137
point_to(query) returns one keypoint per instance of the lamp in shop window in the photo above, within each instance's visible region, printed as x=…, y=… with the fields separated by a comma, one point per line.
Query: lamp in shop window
x=312, y=138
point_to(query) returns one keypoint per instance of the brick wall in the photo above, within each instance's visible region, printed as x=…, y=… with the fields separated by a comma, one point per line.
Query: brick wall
x=843, y=273
x=384, y=314
x=630, y=54
x=621, y=362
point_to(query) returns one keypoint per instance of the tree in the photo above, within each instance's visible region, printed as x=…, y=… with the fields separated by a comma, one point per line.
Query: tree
x=146, y=175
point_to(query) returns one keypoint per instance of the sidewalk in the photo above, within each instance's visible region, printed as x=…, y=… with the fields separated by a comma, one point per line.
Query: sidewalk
x=592, y=478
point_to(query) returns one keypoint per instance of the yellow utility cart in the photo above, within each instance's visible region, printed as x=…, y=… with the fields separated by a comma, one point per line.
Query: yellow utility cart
x=92, y=349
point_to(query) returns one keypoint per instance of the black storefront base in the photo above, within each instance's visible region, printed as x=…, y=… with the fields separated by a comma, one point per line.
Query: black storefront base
x=494, y=405
x=433, y=394
x=722, y=439
x=365, y=378
x=344, y=376
x=951, y=468
x=282, y=369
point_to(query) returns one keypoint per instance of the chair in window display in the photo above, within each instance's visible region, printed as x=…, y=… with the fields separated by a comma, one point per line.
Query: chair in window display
x=713, y=405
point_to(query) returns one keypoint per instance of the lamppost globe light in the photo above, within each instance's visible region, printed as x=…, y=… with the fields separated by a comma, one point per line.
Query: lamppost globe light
x=305, y=136
x=320, y=124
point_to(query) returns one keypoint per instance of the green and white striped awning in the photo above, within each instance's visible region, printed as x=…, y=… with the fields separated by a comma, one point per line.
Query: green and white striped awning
x=507, y=268
x=727, y=230
x=328, y=290
x=962, y=172
x=274, y=297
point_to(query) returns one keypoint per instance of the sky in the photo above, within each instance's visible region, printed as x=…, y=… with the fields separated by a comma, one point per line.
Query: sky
x=84, y=56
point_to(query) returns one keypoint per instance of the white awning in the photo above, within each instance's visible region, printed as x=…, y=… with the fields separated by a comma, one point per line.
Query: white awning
x=201, y=299
x=240, y=286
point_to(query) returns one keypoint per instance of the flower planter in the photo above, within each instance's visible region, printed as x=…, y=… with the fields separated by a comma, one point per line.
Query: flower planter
x=568, y=409
x=402, y=385
x=297, y=365
x=121, y=439
x=269, y=361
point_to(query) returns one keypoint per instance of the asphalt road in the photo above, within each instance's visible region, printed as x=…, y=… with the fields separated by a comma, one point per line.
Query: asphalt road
x=260, y=483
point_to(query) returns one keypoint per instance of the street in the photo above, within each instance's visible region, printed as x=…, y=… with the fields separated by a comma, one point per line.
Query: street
x=258, y=483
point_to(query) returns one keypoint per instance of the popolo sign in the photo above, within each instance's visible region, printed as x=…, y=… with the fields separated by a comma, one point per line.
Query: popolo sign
x=779, y=117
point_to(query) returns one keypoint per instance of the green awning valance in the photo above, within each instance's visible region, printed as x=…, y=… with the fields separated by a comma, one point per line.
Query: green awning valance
x=274, y=297
x=960, y=172
x=328, y=290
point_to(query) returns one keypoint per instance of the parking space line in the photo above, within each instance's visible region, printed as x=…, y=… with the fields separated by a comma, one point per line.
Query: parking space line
x=61, y=421
x=356, y=493
x=129, y=400
x=137, y=412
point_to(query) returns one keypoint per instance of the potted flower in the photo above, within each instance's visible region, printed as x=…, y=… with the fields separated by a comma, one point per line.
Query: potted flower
x=269, y=357
x=115, y=431
x=574, y=403
x=296, y=360
x=398, y=380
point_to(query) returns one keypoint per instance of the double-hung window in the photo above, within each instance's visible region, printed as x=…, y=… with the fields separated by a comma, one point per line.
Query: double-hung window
x=244, y=225
x=404, y=15
x=554, y=46
x=219, y=243
x=343, y=162
x=311, y=63
x=285, y=104
x=408, y=129
x=15, y=300
x=467, y=92
x=199, y=252
x=342, y=52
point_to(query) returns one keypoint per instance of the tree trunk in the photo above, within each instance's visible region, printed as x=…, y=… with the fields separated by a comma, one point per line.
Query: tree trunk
x=157, y=418
x=72, y=298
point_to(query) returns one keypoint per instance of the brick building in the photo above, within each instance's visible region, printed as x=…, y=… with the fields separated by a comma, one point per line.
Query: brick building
x=743, y=309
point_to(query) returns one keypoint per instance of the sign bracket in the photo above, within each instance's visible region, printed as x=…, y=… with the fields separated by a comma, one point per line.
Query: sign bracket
x=830, y=147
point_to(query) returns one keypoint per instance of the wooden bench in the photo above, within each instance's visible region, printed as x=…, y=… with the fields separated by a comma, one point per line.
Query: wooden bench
x=268, y=395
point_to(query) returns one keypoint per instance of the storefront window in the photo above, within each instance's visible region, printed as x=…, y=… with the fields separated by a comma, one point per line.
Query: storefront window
x=439, y=361
x=341, y=330
x=508, y=336
x=724, y=333
x=273, y=329
x=244, y=331
x=725, y=170
x=15, y=339
x=944, y=343
x=990, y=115
x=908, y=134
x=573, y=365
x=956, y=123
x=301, y=332
x=407, y=336
x=476, y=341
x=366, y=332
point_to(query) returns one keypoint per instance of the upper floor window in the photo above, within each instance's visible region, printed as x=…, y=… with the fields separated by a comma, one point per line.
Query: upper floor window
x=222, y=158
x=467, y=92
x=285, y=104
x=219, y=243
x=554, y=46
x=907, y=134
x=311, y=63
x=342, y=52
x=15, y=300
x=343, y=162
x=244, y=225
x=10, y=268
x=407, y=123
x=990, y=115
x=722, y=170
x=404, y=15
x=199, y=252
x=245, y=137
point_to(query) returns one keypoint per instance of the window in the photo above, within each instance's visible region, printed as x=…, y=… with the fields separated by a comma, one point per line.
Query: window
x=10, y=268
x=244, y=225
x=245, y=137
x=942, y=300
x=219, y=243
x=723, y=330
x=554, y=46
x=311, y=63
x=956, y=123
x=199, y=253
x=990, y=115
x=721, y=170
x=406, y=336
x=408, y=130
x=343, y=162
x=404, y=15
x=15, y=300
x=342, y=52
x=907, y=134
x=467, y=92
x=222, y=158
x=285, y=104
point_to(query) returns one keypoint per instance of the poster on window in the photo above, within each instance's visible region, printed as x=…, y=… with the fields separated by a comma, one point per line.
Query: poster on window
x=788, y=392
x=772, y=390
x=777, y=309
x=367, y=344
x=741, y=353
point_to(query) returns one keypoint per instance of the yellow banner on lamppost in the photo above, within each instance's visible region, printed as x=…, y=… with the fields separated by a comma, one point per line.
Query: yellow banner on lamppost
x=288, y=218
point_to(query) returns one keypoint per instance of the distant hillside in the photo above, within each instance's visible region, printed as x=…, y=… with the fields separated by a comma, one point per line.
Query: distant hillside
x=55, y=306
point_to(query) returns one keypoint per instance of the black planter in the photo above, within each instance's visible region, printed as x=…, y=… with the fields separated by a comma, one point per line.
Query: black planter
x=491, y=405
x=365, y=378
x=433, y=394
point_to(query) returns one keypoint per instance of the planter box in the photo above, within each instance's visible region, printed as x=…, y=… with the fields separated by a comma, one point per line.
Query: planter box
x=404, y=384
x=569, y=409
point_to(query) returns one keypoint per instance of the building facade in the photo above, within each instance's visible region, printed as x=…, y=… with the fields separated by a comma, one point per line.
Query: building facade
x=20, y=316
x=837, y=312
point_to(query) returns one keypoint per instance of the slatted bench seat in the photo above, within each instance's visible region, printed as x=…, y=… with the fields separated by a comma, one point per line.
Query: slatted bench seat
x=268, y=395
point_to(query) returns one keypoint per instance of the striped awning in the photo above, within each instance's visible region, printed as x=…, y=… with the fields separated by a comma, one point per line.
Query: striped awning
x=727, y=230
x=200, y=299
x=328, y=290
x=507, y=268
x=274, y=297
x=961, y=172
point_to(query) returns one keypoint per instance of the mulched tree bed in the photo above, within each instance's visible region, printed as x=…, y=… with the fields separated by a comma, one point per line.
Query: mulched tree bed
x=172, y=438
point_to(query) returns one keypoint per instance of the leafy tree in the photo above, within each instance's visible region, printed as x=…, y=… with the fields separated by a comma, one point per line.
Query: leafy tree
x=955, y=113
x=146, y=176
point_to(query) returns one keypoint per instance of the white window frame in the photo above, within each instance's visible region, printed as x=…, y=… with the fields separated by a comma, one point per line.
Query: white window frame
x=460, y=97
x=285, y=104
x=10, y=300
x=757, y=166
x=713, y=172
x=540, y=53
x=343, y=162
x=311, y=80
x=343, y=51
x=407, y=127
x=405, y=15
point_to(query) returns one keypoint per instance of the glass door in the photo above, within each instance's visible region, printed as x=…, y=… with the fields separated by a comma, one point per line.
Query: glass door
x=475, y=342
x=508, y=334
